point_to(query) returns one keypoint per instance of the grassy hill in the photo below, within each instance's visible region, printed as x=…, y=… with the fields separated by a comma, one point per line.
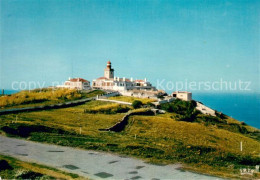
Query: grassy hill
x=202, y=143
x=46, y=96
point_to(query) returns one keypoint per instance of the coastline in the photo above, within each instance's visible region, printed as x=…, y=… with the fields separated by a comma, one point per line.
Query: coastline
x=240, y=106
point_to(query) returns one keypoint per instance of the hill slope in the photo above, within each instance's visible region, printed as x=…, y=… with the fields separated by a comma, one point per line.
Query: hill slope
x=203, y=143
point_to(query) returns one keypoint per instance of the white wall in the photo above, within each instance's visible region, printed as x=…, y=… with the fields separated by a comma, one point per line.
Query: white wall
x=186, y=96
x=205, y=110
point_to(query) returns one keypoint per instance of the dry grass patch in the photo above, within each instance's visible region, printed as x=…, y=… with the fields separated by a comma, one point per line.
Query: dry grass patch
x=68, y=119
x=161, y=127
x=131, y=99
x=109, y=109
x=46, y=96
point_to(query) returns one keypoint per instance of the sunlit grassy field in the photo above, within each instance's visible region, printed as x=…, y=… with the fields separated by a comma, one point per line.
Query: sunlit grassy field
x=131, y=99
x=69, y=119
x=46, y=96
x=109, y=109
x=157, y=139
x=191, y=134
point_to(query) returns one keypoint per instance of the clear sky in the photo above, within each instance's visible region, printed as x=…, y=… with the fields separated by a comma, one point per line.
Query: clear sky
x=51, y=40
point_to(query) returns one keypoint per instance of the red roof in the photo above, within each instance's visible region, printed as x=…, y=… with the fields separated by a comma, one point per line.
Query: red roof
x=78, y=80
x=101, y=78
x=139, y=80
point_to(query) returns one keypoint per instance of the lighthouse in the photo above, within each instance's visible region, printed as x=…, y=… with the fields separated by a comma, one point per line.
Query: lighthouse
x=109, y=72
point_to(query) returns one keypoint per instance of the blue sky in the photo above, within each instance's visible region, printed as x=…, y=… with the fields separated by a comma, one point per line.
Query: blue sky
x=51, y=40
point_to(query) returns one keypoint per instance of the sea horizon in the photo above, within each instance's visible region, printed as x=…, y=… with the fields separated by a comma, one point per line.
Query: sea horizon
x=240, y=106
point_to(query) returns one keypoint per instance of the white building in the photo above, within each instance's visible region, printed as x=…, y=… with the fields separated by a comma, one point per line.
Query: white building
x=76, y=83
x=183, y=95
x=110, y=82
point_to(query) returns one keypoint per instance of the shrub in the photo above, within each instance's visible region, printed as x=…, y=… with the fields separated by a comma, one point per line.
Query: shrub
x=142, y=111
x=185, y=109
x=243, y=123
x=137, y=104
x=149, y=104
x=30, y=175
x=213, y=120
x=160, y=96
x=221, y=115
x=189, y=117
x=179, y=107
x=234, y=128
x=239, y=159
x=25, y=130
x=4, y=165
x=108, y=109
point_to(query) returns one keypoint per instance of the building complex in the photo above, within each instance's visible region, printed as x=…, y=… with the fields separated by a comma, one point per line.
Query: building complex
x=125, y=86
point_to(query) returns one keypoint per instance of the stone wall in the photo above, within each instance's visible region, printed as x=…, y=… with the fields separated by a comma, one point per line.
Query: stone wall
x=120, y=126
x=113, y=101
x=142, y=94
x=108, y=94
x=46, y=107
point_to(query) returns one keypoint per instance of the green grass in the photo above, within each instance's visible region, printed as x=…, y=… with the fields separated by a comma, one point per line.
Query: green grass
x=17, y=169
x=45, y=96
x=69, y=119
x=93, y=93
x=131, y=99
x=109, y=109
x=159, y=139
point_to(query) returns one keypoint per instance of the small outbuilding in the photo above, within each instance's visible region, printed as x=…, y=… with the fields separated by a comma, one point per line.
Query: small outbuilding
x=183, y=95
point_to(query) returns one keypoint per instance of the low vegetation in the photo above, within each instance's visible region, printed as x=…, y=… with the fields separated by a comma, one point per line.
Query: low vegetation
x=205, y=143
x=132, y=99
x=109, y=109
x=44, y=96
x=11, y=168
x=186, y=111
x=137, y=104
x=142, y=111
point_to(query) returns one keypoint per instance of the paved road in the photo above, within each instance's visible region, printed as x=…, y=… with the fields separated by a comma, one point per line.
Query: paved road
x=95, y=165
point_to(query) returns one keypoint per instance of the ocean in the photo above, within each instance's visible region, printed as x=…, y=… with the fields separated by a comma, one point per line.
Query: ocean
x=8, y=91
x=243, y=107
